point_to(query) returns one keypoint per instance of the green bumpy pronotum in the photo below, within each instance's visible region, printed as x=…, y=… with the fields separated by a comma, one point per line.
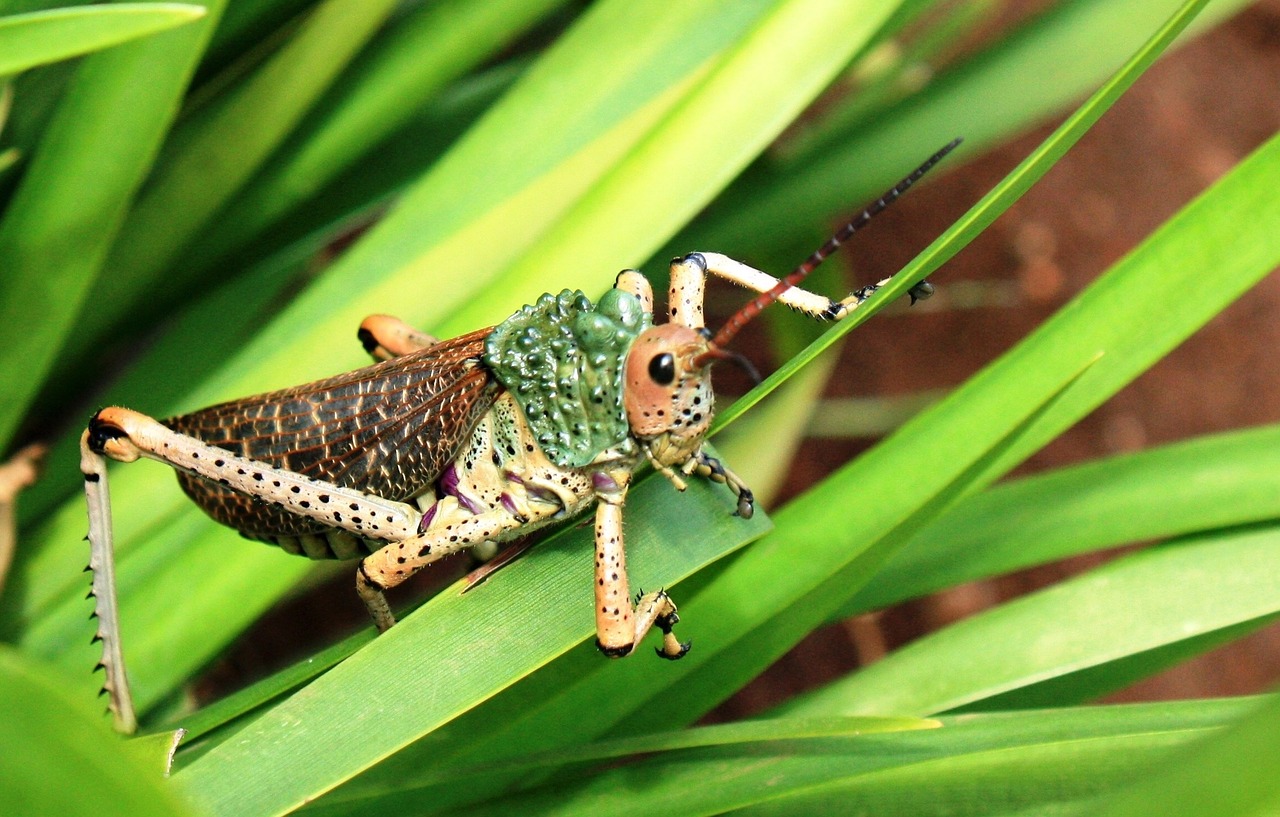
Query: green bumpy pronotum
x=562, y=359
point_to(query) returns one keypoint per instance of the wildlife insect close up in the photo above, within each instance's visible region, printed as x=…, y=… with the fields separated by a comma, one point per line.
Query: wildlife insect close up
x=475, y=440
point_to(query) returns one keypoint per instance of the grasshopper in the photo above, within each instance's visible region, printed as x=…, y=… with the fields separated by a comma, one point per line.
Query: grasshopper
x=451, y=444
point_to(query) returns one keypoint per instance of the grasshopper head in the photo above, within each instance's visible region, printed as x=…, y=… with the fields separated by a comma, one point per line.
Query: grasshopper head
x=668, y=391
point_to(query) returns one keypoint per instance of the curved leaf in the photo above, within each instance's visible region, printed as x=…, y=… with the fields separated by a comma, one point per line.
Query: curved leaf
x=57, y=756
x=1210, y=482
x=449, y=655
x=90, y=161
x=1129, y=606
x=972, y=765
x=28, y=40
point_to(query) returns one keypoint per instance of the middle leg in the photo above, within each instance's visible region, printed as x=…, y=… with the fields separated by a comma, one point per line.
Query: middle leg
x=451, y=528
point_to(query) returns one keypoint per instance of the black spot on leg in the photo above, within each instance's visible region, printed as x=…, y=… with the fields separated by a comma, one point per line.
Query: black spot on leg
x=92, y=477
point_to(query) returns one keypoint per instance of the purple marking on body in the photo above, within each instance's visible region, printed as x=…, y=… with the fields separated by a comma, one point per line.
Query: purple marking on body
x=512, y=476
x=603, y=482
x=449, y=487
x=449, y=480
x=425, y=522
x=510, y=504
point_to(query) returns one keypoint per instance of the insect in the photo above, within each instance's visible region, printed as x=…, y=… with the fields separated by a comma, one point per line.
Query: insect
x=444, y=445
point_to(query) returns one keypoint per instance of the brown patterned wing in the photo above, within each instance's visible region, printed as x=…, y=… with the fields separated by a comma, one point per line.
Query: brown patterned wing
x=387, y=429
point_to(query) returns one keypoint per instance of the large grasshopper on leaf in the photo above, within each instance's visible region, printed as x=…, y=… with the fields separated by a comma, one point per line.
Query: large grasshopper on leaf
x=444, y=445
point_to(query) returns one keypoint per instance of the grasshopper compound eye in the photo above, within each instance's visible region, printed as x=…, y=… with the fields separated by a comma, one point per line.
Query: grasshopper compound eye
x=662, y=369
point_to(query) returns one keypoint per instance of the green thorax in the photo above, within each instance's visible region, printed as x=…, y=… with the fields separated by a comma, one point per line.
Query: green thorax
x=562, y=359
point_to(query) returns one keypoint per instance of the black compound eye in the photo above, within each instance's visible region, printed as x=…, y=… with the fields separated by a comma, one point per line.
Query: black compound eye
x=662, y=369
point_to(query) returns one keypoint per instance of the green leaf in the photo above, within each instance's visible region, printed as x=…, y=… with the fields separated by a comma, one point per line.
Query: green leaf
x=992, y=205
x=57, y=756
x=247, y=23
x=1127, y=607
x=749, y=737
x=994, y=764
x=682, y=146
x=1210, y=482
x=59, y=224
x=212, y=154
x=1124, y=322
x=451, y=654
x=1232, y=774
x=28, y=40
x=403, y=71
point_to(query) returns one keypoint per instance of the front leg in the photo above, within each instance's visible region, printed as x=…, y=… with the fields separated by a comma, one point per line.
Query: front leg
x=619, y=625
x=709, y=467
x=688, y=273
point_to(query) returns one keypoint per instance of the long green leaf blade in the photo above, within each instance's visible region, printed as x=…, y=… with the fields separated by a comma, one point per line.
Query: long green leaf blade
x=57, y=757
x=60, y=223
x=1124, y=608
x=448, y=656
x=1032, y=74
x=1210, y=482
x=435, y=45
x=973, y=765
x=1130, y=317
x=213, y=153
x=1227, y=775
x=28, y=40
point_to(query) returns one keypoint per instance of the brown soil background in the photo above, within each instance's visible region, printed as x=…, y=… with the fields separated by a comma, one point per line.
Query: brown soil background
x=1192, y=117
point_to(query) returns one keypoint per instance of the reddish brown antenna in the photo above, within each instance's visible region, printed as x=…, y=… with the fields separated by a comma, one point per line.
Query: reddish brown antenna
x=748, y=312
